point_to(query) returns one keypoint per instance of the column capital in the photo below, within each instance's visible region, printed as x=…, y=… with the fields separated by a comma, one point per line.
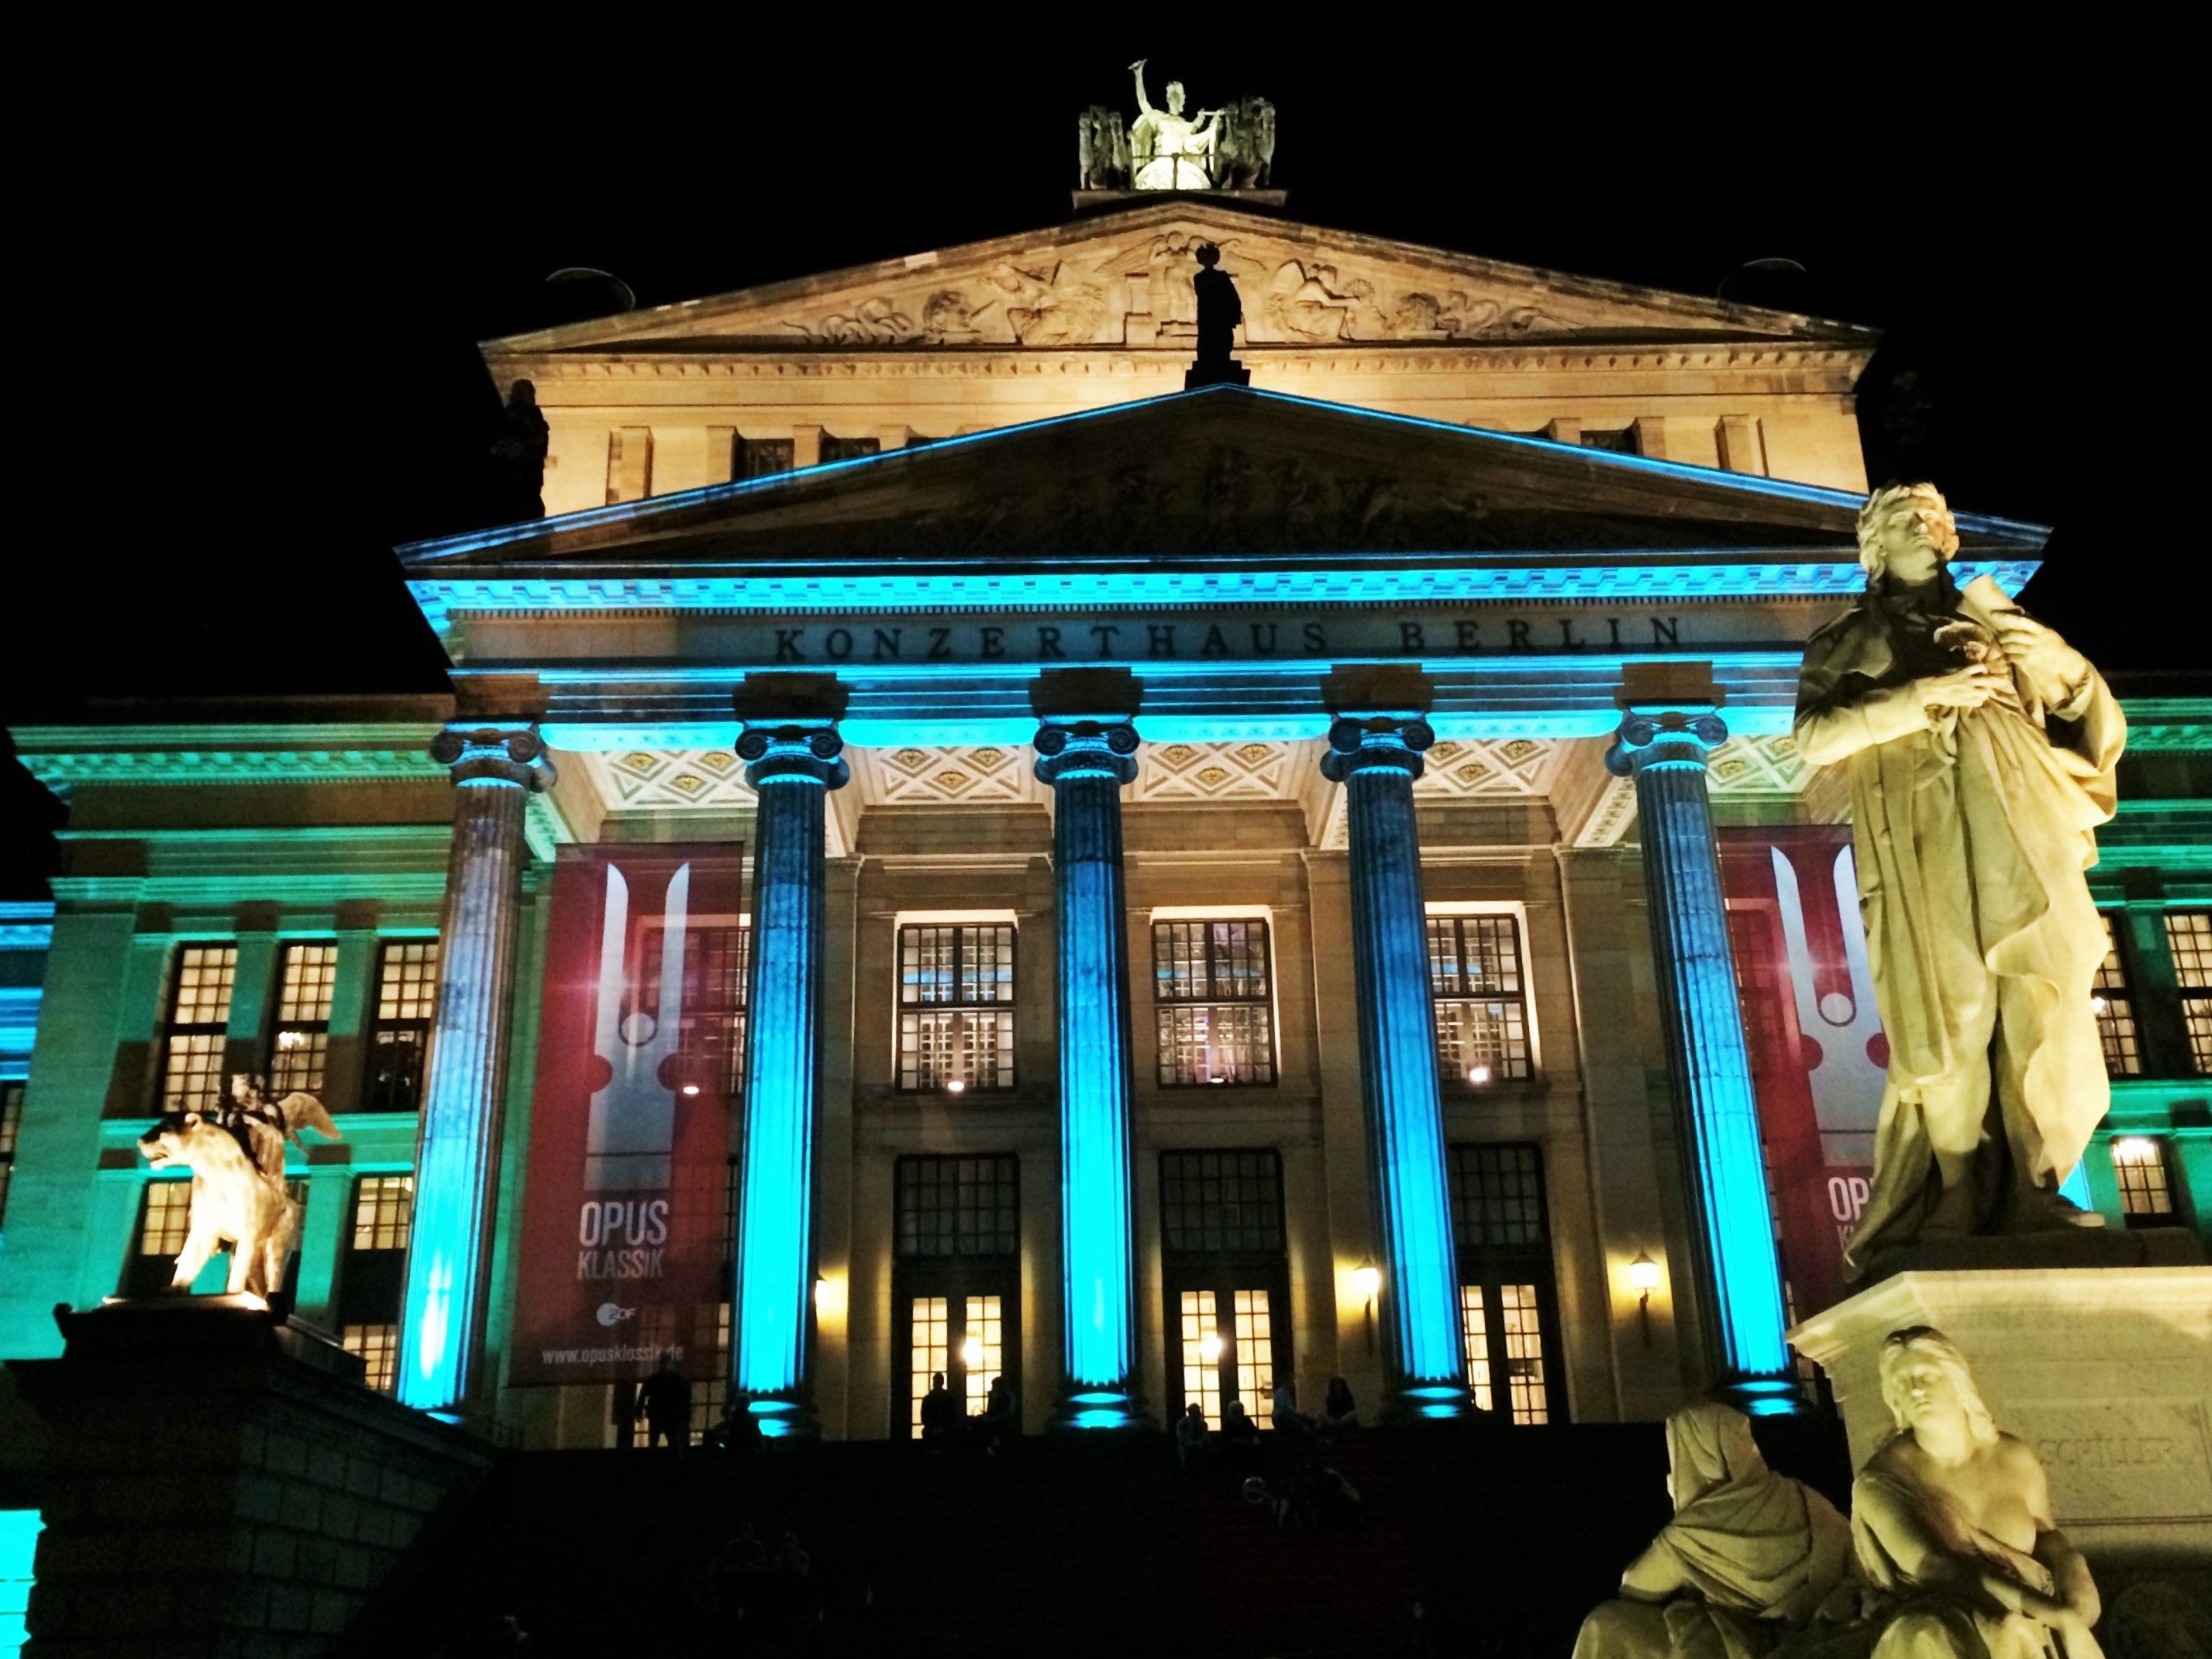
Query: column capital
x=1388, y=743
x=1670, y=737
x=496, y=751
x=1086, y=749
x=806, y=749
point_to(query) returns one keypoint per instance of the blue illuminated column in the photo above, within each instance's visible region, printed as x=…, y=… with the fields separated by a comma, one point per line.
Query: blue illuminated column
x=1086, y=755
x=790, y=739
x=496, y=767
x=1374, y=752
x=1664, y=749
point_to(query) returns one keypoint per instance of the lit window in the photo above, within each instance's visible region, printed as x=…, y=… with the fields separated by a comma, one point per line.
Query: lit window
x=957, y=1206
x=167, y=1219
x=2139, y=1163
x=849, y=449
x=406, y=999
x=302, y=1039
x=378, y=1346
x=1481, y=1008
x=2189, y=938
x=956, y=1007
x=2116, y=1009
x=199, y=1013
x=383, y=1213
x=1213, y=997
x=932, y=1336
x=756, y=458
x=11, y=1125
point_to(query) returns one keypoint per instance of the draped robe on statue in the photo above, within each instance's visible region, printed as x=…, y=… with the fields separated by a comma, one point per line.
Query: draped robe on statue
x=1749, y=1557
x=1973, y=830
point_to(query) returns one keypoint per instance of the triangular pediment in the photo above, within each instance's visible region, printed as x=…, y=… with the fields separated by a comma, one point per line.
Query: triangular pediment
x=1121, y=279
x=1224, y=474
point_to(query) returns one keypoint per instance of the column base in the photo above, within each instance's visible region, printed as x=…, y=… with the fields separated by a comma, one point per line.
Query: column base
x=1089, y=1408
x=1429, y=1403
x=785, y=1416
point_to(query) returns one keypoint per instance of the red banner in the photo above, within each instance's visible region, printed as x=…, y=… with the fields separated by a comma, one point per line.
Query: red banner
x=1817, y=1050
x=641, y=1036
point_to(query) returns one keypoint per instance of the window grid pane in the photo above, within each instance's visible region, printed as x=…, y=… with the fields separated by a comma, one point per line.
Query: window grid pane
x=1475, y=1337
x=982, y=1349
x=1481, y=1011
x=1497, y=1196
x=1213, y=1002
x=1202, y=1376
x=2115, y=1009
x=1256, y=1356
x=1222, y=1203
x=383, y=1213
x=379, y=1348
x=2139, y=1165
x=168, y=1217
x=11, y=1125
x=957, y=990
x=1525, y=1351
x=931, y=1332
x=2189, y=940
x=958, y=1207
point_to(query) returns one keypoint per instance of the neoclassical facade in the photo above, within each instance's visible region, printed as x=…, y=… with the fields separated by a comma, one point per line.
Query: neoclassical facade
x=950, y=853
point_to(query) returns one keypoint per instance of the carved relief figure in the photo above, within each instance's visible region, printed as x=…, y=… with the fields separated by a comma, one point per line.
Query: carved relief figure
x=1749, y=1556
x=1981, y=749
x=239, y=1197
x=1953, y=1522
x=1046, y=311
x=1170, y=150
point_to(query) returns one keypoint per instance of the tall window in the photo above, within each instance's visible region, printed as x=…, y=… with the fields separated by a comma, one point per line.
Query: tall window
x=957, y=1007
x=2139, y=1166
x=2189, y=938
x=302, y=1039
x=1481, y=999
x=1211, y=993
x=849, y=449
x=373, y=1276
x=199, y=1010
x=2116, y=1008
x=756, y=458
x=406, y=998
x=11, y=1125
x=1508, y=1315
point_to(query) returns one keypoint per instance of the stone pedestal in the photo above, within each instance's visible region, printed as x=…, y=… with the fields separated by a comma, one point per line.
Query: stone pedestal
x=2106, y=1372
x=219, y=1480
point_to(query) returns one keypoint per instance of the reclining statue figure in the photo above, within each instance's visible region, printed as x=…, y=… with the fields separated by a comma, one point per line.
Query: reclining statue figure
x=239, y=1197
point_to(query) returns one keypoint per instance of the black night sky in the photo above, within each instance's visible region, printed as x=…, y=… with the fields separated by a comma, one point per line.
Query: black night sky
x=260, y=333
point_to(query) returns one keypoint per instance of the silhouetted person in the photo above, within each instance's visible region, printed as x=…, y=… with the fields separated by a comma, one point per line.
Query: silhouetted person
x=664, y=1399
x=941, y=1412
x=519, y=454
x=1192, y=1435
x=1219, y=311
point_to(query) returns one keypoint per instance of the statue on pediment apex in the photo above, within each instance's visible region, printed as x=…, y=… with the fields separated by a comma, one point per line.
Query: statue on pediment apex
x=1170, y=150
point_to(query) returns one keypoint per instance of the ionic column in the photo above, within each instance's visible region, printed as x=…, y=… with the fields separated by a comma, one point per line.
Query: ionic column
x=1374, y=752
x=1086, y=750
x=496, y=767
x=790, y=739
x=1663, y=744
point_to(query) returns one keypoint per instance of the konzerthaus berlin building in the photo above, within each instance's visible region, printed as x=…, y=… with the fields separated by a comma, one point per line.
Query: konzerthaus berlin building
x=951, y=851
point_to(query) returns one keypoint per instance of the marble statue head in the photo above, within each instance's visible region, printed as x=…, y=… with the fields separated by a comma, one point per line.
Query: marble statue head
x=1923, y=1371
x=1905, y=524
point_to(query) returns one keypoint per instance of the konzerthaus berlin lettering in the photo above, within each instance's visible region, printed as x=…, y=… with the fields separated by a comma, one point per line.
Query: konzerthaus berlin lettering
x=951, y=853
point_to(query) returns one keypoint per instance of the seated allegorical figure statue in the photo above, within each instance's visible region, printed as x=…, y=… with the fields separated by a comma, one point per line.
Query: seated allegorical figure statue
x=1953, y=1520
x=1750, y=1556
x=1170, y=150
x=1981, y=749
